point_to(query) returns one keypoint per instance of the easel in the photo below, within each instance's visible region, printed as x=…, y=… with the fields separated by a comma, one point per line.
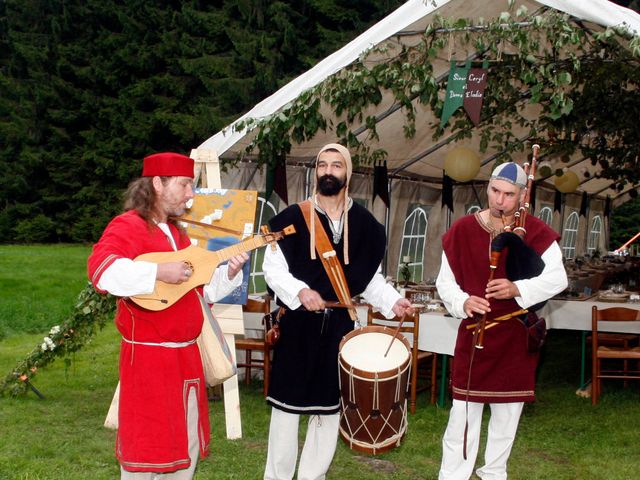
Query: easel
x=207, y=175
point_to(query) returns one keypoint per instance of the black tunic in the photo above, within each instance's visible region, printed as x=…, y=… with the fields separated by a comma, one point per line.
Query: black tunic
x=304, y=378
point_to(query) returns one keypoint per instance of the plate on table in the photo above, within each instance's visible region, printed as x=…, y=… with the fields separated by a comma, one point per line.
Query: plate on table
x=610, y=296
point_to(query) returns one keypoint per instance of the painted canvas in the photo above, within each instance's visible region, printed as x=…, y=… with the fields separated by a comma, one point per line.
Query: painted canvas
x=232, y=213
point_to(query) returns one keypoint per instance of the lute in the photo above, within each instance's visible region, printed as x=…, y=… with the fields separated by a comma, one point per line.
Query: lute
x=202, y=263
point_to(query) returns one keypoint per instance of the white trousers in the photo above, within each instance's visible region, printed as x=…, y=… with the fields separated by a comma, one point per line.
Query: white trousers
x=194, y=449
x=317, y=452
x=503, y=425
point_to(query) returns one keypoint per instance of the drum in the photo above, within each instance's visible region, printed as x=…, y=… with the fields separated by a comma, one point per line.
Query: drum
x=373, y=389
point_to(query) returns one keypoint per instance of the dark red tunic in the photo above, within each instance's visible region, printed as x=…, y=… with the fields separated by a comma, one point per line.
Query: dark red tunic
x=504, y=371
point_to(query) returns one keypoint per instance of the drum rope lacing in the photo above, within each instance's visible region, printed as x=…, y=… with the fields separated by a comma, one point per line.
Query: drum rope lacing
x=375, y=444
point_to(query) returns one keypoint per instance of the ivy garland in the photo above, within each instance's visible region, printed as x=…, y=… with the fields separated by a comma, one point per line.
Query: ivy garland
x=91, y=313
x=579, y=78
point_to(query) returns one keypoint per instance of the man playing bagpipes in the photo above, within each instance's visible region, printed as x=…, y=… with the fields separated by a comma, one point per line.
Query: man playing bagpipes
x=493, y=360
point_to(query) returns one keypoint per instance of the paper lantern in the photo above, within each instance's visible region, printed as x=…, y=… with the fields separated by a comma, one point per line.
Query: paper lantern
x=462, y=164
x=567, y=182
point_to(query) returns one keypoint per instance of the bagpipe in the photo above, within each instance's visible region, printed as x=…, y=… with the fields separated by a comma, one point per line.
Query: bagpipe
x=521, y=262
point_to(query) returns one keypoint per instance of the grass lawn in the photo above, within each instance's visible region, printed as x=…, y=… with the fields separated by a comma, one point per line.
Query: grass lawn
x=561, y=436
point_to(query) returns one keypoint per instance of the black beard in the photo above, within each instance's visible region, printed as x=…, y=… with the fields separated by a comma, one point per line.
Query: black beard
x=329, y=185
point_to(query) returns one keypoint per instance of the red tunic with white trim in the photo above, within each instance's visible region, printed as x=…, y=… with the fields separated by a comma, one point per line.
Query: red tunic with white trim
x=154, y=380
x=504, y=370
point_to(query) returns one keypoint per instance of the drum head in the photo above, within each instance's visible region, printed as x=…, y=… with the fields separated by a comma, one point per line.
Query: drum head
x=366, y=351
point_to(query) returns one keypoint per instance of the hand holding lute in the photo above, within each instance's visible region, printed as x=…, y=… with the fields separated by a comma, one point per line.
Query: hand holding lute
x=194, y=266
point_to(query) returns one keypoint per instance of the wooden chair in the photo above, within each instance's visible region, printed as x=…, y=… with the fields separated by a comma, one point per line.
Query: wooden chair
x=601, y=352
x=624, y=340
x=419, y=358
x=249, y=345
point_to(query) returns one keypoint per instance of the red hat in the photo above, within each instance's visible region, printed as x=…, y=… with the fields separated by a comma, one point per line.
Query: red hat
x=167, y=164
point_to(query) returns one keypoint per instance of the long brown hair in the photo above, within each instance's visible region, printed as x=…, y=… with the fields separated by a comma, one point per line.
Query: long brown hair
x=141, y=197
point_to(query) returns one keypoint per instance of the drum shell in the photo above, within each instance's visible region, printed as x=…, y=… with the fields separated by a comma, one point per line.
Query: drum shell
x=360, y=390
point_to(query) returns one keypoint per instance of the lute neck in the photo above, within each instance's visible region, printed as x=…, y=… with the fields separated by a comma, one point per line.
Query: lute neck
x=247, y=245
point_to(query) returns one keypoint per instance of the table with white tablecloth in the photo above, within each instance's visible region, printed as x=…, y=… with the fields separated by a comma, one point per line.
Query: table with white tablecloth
x=576, y=315
x=438, y=331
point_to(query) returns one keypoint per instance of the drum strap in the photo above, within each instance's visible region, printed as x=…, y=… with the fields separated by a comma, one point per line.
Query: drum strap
x=328, y=256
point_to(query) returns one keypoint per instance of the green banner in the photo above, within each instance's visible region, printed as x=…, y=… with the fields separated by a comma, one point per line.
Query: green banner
x=456, y=86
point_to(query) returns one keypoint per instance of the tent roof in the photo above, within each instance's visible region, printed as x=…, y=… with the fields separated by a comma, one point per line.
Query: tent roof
x=419, y=157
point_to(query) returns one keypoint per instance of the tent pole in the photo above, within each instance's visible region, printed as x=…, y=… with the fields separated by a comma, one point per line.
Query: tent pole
x=496, y=155
x=387, y=217
x=251, y=177
x=475, y=192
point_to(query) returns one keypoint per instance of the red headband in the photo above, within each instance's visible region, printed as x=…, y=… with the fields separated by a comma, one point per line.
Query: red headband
x=167, y=164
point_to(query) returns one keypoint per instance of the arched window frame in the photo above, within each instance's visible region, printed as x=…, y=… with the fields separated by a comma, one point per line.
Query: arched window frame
x=594, y=234
x=265, y=210
x=413, y=244
x=546, y=215
x=473, y=209
x=570, y=235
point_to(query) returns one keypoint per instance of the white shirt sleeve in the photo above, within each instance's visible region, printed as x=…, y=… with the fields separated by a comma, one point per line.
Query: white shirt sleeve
x=378, y=293
x=220, y=286
x=449, y=290
x=550, y=282
x=126, y=278
x=280, y=280
x=381, y=295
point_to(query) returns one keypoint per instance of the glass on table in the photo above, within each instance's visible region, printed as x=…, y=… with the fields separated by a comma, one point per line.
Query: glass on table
x=618, y=288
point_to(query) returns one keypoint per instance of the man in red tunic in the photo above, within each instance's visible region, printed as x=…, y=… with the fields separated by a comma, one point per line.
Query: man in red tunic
x=163, y=419
x=502, y=374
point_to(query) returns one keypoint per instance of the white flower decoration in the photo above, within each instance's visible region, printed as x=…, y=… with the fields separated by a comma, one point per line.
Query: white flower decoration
x=48, y=343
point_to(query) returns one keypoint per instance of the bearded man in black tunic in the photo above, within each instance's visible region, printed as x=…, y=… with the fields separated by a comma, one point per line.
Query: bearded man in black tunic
x=304, y=379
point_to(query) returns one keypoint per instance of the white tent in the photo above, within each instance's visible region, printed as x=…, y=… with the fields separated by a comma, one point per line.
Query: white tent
x=419, y=161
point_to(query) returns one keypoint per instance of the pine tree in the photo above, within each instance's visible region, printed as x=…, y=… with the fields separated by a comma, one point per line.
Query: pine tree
x=89, y=87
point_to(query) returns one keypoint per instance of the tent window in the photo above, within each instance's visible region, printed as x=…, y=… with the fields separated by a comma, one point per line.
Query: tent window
x=570, y=235
x=473, y=209
x=265, y=211
x=546, y=215
x=414, y=239
x=594, y=235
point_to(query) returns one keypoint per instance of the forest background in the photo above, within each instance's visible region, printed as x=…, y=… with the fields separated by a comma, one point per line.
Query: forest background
x=89, y=87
